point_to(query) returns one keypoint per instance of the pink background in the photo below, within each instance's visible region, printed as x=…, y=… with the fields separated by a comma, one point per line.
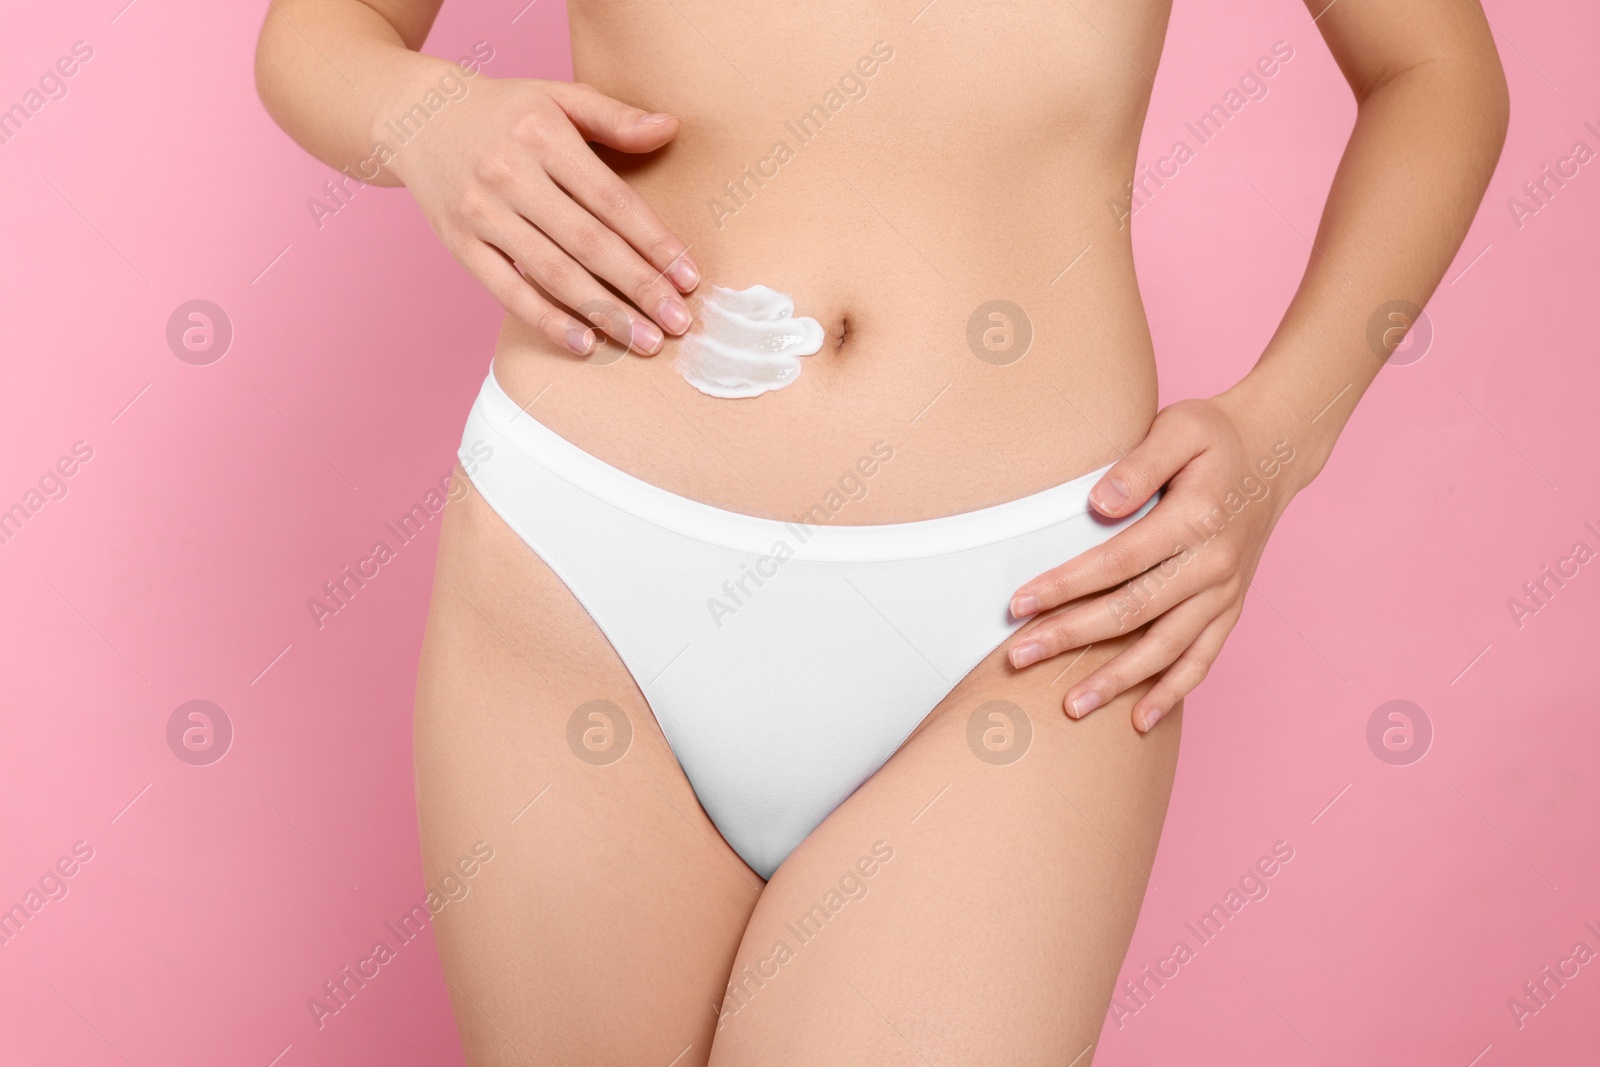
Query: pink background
x=179, y=563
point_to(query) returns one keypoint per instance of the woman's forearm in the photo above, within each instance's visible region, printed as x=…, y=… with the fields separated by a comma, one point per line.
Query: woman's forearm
x=506, y=174
x=1430, y=122
x=1424, y=145
x=332, y=72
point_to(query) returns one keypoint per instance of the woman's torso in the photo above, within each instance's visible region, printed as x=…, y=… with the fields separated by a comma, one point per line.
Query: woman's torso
x=980, y=160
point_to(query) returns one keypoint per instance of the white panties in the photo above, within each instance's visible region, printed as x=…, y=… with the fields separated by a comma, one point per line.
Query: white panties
x=839, y=646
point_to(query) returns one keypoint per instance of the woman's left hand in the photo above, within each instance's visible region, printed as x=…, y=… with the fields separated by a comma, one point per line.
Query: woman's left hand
x=1182, y=570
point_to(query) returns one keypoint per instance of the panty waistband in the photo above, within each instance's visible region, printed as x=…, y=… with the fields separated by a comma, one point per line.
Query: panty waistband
x=497, y=420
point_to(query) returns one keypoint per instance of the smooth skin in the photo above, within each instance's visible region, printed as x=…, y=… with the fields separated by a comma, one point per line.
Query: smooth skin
x=1432, y=117
x=516, y=195
x=614, y=916
x=614, y=925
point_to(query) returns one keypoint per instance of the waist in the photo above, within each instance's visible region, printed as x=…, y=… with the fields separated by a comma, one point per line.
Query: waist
x=963, y=434
x=517, y=462
x=997, y=346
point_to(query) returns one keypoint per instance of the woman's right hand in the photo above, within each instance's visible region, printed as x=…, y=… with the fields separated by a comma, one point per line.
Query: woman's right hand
x=507, y=179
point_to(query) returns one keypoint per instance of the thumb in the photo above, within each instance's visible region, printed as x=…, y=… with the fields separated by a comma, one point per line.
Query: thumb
x=1134, y=479
x=610, y=122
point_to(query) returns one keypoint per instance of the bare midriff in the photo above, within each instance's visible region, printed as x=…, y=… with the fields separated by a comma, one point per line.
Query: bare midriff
x=937, y=189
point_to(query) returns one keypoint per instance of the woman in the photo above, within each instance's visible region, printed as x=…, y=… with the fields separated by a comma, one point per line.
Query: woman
x=818, y=475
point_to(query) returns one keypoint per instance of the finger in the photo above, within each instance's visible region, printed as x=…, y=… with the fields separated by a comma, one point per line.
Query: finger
x=568, y=282
x=1159, y=536
x=1188, y=671
x=484, y=214
x=1174, y=439
x=494, y=270
x=1162, y=644
x=1130, y=606
x=604, y=120
x=601, y=250
x=532, y=254
x=614, y=202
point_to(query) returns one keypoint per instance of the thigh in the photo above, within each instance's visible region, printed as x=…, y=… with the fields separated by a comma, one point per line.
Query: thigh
x=602, y=928
x=973, y=900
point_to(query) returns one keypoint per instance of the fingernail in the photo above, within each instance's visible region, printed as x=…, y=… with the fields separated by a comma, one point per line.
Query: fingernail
x=1026, y=653
x=684, y=274
x=654, y=118
x=1109, y=495
x=644, y=337
x=580, y=340
x=1152, y=717
x=1084, y=703
x=673, y=314
x=1024, y=606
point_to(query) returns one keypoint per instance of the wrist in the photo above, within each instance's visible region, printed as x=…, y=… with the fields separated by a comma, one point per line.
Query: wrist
x=417, y=88
x=1278, y=437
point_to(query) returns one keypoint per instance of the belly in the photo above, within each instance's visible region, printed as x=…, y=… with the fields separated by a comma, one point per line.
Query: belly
x=938, y=190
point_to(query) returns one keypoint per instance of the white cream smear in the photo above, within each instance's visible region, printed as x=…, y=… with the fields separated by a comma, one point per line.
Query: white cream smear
x=746, y=342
